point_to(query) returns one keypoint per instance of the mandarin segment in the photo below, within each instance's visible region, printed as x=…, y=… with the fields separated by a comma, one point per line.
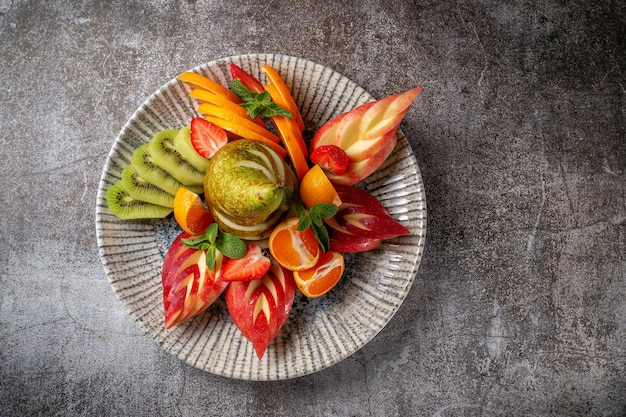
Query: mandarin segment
x=316, y=188
x=190, y=212
x=293, y=249
x=321, y=278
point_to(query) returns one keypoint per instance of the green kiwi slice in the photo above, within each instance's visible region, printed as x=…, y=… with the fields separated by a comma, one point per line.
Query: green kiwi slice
x=182, y=143
x=139, y=188
x=144, y=163
x=122, y=205
x=169, y=158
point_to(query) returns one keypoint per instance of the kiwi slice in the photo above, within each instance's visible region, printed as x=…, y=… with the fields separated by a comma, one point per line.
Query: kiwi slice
x=144, y=163
x=139, y=188
x=169, y=158
x=182, y=143
x=122, y=205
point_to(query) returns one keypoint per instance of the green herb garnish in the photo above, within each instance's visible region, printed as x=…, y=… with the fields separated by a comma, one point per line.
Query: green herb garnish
x=314, y=218
x=258, y=104
x=213, y=240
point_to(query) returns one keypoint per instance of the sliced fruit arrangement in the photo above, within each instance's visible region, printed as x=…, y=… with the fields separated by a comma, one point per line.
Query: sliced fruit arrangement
x=261, y=213
x=156, y=171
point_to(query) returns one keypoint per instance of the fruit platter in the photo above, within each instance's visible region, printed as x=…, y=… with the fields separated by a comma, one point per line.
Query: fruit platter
x=261, y=216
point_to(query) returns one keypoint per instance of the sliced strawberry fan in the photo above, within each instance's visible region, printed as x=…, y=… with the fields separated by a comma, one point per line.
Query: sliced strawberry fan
x=207, y=137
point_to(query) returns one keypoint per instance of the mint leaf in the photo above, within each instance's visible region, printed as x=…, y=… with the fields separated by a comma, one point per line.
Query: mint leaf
x=314, y=219
x=240, y=90
x=257, y=104
x=321, y=234
x=304, y=222
x=273, y=109
x=324, y=210
x=211, y=233
x=194, y=243
x=213, y=241
x=231, y=246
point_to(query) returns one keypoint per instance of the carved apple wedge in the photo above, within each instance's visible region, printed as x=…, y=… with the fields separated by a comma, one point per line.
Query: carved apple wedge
x=366, y=133
x=189, y=286
x=260, y=307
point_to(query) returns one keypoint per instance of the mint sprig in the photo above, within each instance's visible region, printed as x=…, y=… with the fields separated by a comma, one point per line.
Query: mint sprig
x=258, y=104
x=314, y=218
x=216, y=240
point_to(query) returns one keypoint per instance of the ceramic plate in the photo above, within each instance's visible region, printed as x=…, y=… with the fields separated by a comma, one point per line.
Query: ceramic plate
x=318, y=332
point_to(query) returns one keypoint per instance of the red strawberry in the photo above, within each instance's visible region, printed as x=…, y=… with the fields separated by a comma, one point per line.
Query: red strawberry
x=206, y=137
x=246, y=79
x=252, y=266
x=332, y=158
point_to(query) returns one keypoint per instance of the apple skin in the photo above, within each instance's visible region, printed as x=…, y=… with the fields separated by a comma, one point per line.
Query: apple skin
x=259, y=308
x=345, y=243
x=361, y=168
x=361, y=223
x=189, y=287
x=366, y=133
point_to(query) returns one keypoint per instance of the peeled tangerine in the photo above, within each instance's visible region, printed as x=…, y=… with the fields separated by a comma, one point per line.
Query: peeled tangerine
x=367, y=134
x=245, y=186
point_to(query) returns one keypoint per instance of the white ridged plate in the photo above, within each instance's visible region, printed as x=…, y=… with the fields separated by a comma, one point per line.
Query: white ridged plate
x=319, y=332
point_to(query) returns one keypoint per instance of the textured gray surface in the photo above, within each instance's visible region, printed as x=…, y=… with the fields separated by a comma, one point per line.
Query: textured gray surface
x=519, y=307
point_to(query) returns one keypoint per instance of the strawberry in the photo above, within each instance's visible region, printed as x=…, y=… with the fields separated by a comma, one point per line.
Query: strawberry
x=332, y=158
x=252, y=266
x=246, y=79
x=206, y=137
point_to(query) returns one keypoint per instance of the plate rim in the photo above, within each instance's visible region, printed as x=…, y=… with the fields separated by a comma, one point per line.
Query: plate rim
x=421, y=238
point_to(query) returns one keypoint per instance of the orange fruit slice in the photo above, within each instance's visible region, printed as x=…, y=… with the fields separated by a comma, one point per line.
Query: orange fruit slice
x=292, y=249
x=321, y=278
x=243, y=132
x=292, y=123
x=206, y=96
x=190, y=212
x=289, y=134
x=286, y=99
x=195, y=80
x=209, y=109
x=315, y=187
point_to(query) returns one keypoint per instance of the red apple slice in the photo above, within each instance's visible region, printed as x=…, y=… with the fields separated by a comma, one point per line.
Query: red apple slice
x=348, y=128
x=386, y=114
x=259, y=308
x=357, y=170
x=367, y=134
x=189, y=286
x=367, y=148
x=326, y=134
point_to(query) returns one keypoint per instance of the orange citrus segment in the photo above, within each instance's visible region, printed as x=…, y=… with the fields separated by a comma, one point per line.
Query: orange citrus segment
x=295, y=133
x=286, y=99
x=206, y=96
x=293, y=249
x=209, y=109
x=195, y=80
x=287, y=132
x=315, y=187
x=321, y=278
x=244, y=132
x=190, y=212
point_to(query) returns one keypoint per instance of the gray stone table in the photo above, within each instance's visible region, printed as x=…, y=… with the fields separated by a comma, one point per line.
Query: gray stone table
x=519, y=306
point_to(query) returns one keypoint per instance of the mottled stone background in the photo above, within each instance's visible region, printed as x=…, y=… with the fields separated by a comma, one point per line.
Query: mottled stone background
x=519, y=307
